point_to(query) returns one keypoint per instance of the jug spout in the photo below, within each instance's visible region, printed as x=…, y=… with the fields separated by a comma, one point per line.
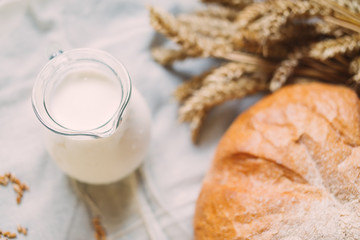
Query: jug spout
x=109, y=128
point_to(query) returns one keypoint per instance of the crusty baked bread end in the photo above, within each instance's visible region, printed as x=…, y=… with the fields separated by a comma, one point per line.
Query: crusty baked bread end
x=287, y=168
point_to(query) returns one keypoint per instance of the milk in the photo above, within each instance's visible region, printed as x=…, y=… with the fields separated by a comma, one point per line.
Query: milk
x=96, y=124
x=85, y=100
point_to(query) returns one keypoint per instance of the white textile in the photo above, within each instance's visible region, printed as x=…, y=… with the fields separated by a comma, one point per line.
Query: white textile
x=156, y=202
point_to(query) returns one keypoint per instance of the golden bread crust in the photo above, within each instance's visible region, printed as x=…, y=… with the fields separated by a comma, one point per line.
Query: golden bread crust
x=287, y=168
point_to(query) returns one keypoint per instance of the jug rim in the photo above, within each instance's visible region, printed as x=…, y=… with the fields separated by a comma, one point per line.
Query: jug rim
x=63, y=59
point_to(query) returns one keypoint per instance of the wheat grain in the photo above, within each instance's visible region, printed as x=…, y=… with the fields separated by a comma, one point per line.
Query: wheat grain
x=214, y=94
x=99, y=233
x=285, y=70
x=219, y=12
x=300, y=9
x=333, y=47
x=186, y=89
x=251, y=13
x=166, y=24
x=329, y=29
x=227, y=72
x=208, y=26
x=22, y=230
x=166, y=56
x=9, y=235
x=185, y=37
x=354, y=69
x=351, y=5
x=4, y=180
x=205, y=21
x=282, y=13
x=195, y=108
x=265, y=29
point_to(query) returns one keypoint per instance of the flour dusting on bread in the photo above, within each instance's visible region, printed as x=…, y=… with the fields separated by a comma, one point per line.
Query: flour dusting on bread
x=326, y=219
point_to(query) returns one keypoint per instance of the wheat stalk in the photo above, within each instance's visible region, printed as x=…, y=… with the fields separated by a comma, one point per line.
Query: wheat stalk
x=196, y=106
x=285, y=69
x=354, y=68
x=218, y=12
x=186, y=89
x=185, y=37
x=225, y=73
x=208, y=26
x=333, y=47
x=166, y=56
x=267, y=44
x=251, y=13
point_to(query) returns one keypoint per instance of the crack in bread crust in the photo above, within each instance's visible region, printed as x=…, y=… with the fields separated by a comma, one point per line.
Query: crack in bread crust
x=287, y=172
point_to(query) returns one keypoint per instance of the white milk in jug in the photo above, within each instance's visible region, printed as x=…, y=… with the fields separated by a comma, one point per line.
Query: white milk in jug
x=93, y=131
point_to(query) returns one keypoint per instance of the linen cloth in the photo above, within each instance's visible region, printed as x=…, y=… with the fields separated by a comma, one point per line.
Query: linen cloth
x=155, y=202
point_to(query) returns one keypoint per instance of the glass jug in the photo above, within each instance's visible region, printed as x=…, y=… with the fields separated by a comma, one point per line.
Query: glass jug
x=96, y=124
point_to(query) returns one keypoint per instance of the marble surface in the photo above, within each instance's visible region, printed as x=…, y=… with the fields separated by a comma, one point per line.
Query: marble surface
x=155, y=202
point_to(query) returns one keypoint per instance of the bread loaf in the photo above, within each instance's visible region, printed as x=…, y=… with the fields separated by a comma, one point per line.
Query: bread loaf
x=287, y=168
